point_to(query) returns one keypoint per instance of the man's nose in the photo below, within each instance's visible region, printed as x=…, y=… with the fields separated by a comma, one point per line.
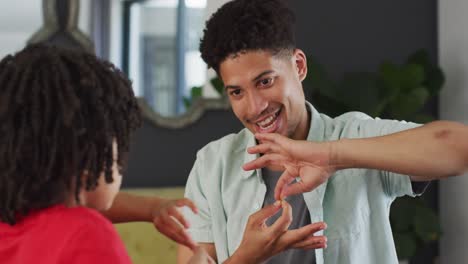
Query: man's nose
x=256, y=104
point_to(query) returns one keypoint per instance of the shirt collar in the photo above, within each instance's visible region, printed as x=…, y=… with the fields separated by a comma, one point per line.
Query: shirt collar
x=316, y=133
x=249, y=157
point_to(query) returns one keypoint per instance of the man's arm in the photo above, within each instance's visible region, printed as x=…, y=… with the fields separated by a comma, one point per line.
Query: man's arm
x=433, y=151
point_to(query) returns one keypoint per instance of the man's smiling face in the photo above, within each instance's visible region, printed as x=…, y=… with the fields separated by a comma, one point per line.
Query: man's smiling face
x=265, y=91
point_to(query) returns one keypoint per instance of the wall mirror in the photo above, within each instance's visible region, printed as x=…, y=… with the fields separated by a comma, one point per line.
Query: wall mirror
x=155, y=42
x=160, y=54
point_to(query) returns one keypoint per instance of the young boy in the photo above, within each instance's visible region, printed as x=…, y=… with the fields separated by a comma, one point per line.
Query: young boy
x=65, y=123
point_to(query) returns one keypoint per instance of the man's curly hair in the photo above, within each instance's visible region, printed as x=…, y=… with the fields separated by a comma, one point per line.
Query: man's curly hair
x=60, y=112
x=247, y=25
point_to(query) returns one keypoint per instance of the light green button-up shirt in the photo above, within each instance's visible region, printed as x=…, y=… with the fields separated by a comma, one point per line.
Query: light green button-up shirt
x=354, y=203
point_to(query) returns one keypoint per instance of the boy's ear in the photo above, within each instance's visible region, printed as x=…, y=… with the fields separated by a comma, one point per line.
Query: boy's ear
x=84, y=177
x=300, y=61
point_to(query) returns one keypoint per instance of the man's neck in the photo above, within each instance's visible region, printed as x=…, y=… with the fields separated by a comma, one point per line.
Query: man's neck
x=302, y=130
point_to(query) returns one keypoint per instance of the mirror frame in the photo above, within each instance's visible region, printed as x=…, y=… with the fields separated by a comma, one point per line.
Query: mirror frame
x=192, y=115
x=51, y=24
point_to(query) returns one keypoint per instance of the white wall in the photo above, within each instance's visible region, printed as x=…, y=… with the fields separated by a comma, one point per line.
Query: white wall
x=212, y=6
x=453, y=56
x=20, y=19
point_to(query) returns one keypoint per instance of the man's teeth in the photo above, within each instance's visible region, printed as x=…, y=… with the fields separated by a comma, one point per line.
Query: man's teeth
x=267, y=123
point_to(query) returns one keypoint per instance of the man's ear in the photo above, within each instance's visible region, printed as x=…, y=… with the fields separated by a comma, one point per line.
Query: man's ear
x=300, y=61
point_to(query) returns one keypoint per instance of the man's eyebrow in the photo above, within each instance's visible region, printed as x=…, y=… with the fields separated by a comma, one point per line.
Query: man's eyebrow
x=253, y=80
x=261, y=75
x=227, y=87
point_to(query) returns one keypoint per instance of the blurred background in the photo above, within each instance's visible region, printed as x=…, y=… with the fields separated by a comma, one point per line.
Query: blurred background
x=395, y=59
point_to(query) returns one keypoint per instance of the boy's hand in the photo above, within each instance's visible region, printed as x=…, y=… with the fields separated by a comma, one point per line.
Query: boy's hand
x=200, y=257
x=169, y=220
x=309, y=161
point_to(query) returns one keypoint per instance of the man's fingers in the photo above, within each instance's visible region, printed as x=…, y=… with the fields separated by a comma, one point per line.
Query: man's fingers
x=272, y=137
x=311, y=178
x=263, y=161
x=265, y=148
x=283, y=222
x=311, y=242
x=259, y=217
x=285, y=179
x=188, y=203
x=260, y=149
x=293, y=189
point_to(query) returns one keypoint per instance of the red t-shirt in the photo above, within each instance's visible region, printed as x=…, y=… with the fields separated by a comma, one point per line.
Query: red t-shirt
x=62, y=235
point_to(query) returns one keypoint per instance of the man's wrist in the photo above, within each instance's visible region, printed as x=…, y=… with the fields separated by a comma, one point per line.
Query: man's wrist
x=337, y=154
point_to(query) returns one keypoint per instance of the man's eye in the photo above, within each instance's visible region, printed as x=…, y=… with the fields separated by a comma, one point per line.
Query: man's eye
x=235, y=92
x=266, y=82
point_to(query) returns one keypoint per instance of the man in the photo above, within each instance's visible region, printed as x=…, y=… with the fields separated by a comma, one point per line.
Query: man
x=349, y=184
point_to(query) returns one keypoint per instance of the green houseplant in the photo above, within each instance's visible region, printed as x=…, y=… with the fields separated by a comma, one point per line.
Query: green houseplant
x=396, y=92
x=197, y=91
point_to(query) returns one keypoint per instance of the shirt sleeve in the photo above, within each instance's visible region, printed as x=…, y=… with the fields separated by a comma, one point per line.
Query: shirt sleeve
x=95, y=244
x=201, y=223
x=394, y=184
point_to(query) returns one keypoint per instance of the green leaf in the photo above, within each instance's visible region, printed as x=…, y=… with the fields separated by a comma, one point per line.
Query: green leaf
x=406, y=105
x=421, y=118
x=187, y=102
x=420, y=57
x=389, y=75
x=196, y=92
x=426, y=224
x=434, y=81
x=412, y=77
x=217, y=85
x=406, y=245
x=435, y=78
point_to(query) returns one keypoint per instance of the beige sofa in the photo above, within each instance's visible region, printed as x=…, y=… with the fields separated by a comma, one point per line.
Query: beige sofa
x=144, y=244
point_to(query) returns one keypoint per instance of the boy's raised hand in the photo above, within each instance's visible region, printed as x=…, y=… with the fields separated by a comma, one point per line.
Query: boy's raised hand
x=200, y=256
x=308, y=161
x=168, y=219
